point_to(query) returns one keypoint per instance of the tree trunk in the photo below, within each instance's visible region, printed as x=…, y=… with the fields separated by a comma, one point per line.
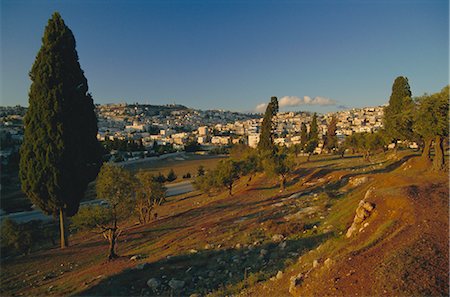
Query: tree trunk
x=63, y=229
x=230, y=188
x=112, y=243
x=309, y=156
x=367, y=156
x=249, y=180
x=282, y=183
x=426, y=148
x=438, y=162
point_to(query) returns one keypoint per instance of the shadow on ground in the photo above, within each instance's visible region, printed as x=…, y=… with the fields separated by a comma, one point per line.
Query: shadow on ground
x=207, y=270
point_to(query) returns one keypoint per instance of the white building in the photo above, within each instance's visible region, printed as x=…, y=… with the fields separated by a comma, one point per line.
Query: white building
x=253, y=140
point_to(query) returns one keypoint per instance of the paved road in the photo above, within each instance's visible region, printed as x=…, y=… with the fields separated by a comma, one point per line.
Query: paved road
x=26, y=216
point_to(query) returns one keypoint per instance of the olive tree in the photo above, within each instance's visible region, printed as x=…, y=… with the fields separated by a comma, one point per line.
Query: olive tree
x=116, y=186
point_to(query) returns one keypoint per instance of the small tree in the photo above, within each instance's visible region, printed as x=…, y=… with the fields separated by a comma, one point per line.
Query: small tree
x=227, y=173
x=281, y=165
x=200, y=170
x=310, y=147
x=15, y=237
x=351, y=142
x=160, y=178
x=296, y=149
x=171, y=176
x=116, y=186
x=248, y=159
x=206, y=183
x=149, y=195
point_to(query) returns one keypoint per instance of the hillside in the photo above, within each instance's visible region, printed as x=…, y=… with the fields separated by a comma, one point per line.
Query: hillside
x=402, y=251
x=253, y=242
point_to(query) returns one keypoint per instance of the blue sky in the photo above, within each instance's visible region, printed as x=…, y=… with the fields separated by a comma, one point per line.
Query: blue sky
x=235, y=55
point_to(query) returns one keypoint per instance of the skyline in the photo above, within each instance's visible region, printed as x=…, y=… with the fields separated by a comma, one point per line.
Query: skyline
x=314, y=56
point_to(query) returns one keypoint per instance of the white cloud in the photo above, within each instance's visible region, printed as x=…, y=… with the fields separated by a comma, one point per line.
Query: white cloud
x=290, y=101
x=261, y=107
x=287, y=101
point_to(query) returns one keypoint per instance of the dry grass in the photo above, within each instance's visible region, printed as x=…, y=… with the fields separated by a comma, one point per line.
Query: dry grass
x=252, y=214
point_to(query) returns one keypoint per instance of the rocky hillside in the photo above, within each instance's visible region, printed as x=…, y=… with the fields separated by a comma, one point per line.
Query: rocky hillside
x=344, y=227
x=396, y=243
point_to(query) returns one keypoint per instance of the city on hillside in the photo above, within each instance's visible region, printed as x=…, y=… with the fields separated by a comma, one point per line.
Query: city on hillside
x=153, y=129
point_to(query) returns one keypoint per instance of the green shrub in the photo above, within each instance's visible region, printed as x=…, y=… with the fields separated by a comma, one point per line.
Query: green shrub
x=20, y=238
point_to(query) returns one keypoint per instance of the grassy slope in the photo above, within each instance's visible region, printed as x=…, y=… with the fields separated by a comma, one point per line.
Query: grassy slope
x=249, y=219
x=403, y=251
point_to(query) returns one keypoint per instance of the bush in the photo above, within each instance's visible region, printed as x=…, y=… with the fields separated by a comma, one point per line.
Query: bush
x=20, y=238
x=200, y=170
x=171, y=176
x=187, y=175
x=160, y=178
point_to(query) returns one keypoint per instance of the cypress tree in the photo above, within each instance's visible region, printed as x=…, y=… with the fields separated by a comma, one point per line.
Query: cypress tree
x=313, y=130
x=60, y=153
x=313, y=137
x=398, y=114
x=330, y=141
x=303, y=135
x=266, y=139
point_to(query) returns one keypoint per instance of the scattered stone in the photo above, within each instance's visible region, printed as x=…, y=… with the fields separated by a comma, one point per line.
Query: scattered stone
x=302, y=213
x=357, y=181
x=135, y=257
x=238, y=246
x=153, y=283
x=279, y=274
x=277, y=237
x=176, y=284
x=193, y=251
x=363, y=211
x=328, y=263
x=294, y=283
x=282, y=245
x=194, y=295
x=263, y=252
x=208, y=246
x=315, y=263
x=50, y=288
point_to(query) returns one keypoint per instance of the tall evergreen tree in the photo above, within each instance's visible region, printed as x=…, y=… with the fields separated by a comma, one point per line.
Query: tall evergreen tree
x=330, y=141
x=313, y=137
x=303, y=135
x=314, y=129
x=266, y=139
x=60, y=153
x=398, y=114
